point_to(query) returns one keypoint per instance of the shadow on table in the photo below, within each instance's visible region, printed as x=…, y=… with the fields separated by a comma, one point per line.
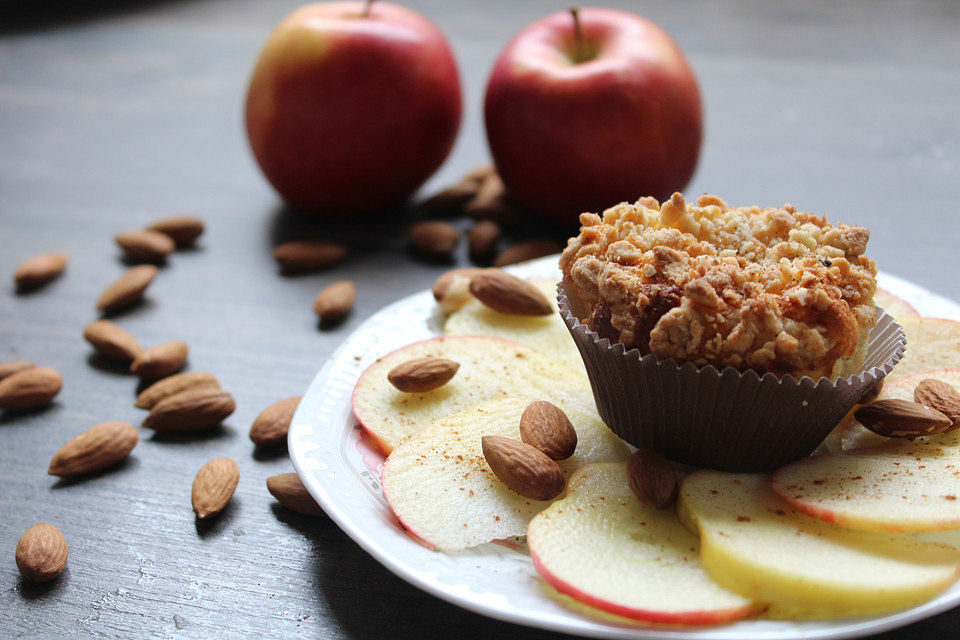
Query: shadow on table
x=369, y=232
x=18, y=16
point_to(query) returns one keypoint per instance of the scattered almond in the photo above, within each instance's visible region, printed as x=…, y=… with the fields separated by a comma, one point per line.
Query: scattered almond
x=478, y=175
x=290, y=492
x=433, y=238
x=173, y=385
x=214, y=486
x=273, y=423
x=545, y=426
x=528, y=250
x=12, y=367
x=652, y=478
x=523, y=468
x=41, y=553
x=183, y=230
x=509, y=294
x=939, y=396
x=449, y=200
x=308, y=255
x=901, y=419
x=39, y=270
x=491, y=203
x=422, y=374
x=111, y=341
x=334, y=302
x=94, y=449
x=191, y=410
x=483, y=239
x=30, y=388
x=452, y=289
x=143, y=245
x=160, y=361
x=128, y=289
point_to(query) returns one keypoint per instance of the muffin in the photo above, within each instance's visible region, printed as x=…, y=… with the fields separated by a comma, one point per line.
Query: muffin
x=777, y=299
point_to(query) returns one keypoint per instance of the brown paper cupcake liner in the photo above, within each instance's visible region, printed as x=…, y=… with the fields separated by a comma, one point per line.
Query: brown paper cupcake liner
x=725, y=419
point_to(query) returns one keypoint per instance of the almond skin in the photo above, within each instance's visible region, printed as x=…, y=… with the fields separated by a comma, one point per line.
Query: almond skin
x=183, y=230
x=491, y=203
x=173, y=385
x=901, y=419
x=94, y=449
x=545, y=426
x=939, y=396
x=111, y=341
x=449, y=201
x=30, y=388
x=308, y=255
x=290, y=492
x=452, y=289
x=422, y=374
x=434, y=239
x=483, y=239
x=41, y=553
x=192, y=410
x=160, y=361
x=273, y=423
x=652, y=478
x=128, y=289
x=14, y=366
x=39, y=270
x=528, y=250
x=509, y=294
x=144, y=245
x=214, y=486
x=524, y=469
x=334, y=302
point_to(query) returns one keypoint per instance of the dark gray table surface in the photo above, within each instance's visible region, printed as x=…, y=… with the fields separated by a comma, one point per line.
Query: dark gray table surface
x=114, y=115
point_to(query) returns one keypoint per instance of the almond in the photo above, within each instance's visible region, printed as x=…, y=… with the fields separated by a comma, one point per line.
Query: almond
x=143, y=245
x=939, y=396
x=173, y=385
x=452, y=289
x=128, y=289
x=434, y=239
x=183, y=230
x=273, y=423
x=39, y=270
x=491, y=203
x=308, y=255
x=422, y=374
x=41, y=553
x=901, y=419
x=111, y=341
x=509, y=294
x=192, y=410
x=214, y=486
x=528, y=250
x=652, y=478
x=12, y=367
x=523, y=468
x=450, y=200
x=478, y=175
x=290, y=492
x=30, y=388
x=545, y=426
x=334, y=302
x=94, y=449
x=160, y=361
x=483, y=239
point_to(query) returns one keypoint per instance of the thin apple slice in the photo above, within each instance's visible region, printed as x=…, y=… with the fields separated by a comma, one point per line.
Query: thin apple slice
x=932, y=343
x=489, y=368
x=755, y=544
x=604, y=548
x=443, y=491
x=897, y=307
x=546, y=334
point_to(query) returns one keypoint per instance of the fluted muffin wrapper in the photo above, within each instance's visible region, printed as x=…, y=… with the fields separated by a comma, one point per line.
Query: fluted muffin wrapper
x=723, y=419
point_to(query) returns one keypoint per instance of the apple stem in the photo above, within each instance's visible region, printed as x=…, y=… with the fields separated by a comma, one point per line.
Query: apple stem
x=578, y=33
x=367, y=7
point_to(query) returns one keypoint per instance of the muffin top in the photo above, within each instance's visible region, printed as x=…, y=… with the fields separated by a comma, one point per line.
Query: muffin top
x=774, y=290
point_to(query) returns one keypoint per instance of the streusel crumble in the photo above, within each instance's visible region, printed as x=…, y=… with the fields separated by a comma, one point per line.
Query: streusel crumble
x=773, y=290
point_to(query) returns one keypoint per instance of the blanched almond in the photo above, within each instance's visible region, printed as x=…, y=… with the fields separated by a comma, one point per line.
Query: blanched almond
x=452, y=289
x=94, y=449
x=128, y=289
x=422, y=374
x=524, y=469
x=143, y=245
x=173, y=385
x=308, y=255
x=183, y=230
x=652, y=478
x=41, y=553
x=509, y=294
x=273, y=423
x=160, y=361
x=290, y=492
x=30, y=388
x=214, y=486
x=545, y=426
x=39, y=270
x=191, y=410
x=111, y=341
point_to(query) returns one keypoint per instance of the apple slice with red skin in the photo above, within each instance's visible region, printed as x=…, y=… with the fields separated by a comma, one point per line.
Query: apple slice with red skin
x=604, y=548
x=489, y=368
x=443, y=491
x=932, y=343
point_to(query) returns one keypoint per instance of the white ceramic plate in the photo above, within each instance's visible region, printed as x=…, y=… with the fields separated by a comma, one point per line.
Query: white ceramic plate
x=341, y=470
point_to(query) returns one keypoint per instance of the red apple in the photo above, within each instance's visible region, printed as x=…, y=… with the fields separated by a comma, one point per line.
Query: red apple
x=583, y=112
x=352, y=105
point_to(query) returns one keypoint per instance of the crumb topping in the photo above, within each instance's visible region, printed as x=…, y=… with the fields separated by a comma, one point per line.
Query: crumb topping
x=775, y=290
